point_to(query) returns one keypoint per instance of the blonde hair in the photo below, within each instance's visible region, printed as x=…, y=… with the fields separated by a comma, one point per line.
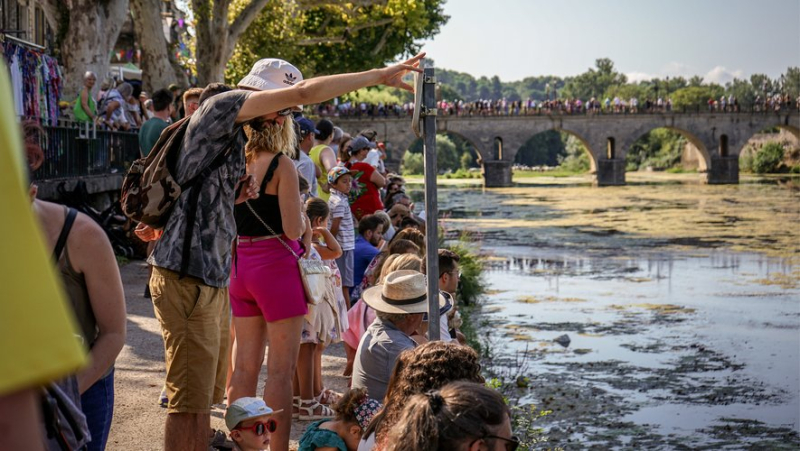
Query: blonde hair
x=400, y=261
x=263, y=136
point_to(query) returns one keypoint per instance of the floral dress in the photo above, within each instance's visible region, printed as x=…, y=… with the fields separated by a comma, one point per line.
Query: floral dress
x=325, y=321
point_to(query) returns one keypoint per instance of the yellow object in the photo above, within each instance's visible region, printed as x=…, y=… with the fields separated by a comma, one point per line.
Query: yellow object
x=38, y=340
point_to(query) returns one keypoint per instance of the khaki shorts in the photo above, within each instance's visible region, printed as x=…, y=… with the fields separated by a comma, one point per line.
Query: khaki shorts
x=195, y=324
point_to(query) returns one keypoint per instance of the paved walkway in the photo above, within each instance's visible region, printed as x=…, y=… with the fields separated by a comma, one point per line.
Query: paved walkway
x=138, y=420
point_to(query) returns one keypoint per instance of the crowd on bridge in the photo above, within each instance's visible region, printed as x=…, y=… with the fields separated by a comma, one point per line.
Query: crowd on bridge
x=568, y=106
x=287, y=232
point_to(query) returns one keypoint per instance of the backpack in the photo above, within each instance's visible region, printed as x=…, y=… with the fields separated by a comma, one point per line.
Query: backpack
x=150, y=189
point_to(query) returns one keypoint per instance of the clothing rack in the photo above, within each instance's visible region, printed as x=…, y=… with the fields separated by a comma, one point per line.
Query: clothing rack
x=36, y=79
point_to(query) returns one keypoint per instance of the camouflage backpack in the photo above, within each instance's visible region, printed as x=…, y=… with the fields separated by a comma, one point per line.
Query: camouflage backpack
x=150, y=189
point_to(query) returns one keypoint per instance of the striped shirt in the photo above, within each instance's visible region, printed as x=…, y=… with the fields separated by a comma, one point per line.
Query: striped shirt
x=340, y=208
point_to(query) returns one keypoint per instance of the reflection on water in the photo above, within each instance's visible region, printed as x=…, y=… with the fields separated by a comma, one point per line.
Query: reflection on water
x=650, y=316
x=681, y=302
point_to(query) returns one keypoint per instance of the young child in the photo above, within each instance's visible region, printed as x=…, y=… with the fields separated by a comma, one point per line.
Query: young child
x=353, y=413
x=329, y=250
x=321, y=326
x=250, y=423
x=340, y=181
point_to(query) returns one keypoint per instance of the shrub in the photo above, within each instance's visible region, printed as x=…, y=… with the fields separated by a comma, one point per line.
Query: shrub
x=768, y=159
x=413, y=164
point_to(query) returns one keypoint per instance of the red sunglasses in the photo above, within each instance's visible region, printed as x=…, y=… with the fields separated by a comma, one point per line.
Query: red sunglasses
x=260, y=427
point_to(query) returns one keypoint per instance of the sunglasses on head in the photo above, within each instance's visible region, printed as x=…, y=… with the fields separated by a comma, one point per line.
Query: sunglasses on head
x=511, y=443
x=285, y=112
x=260, y=428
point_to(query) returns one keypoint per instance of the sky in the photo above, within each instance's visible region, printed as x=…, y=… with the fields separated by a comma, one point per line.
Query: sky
x=716, y=39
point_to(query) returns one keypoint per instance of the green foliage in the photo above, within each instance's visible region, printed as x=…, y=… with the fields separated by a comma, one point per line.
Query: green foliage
x=463, y=174
x=542, y=149
x=332, y=37
x=768, y=159
x=376, y=95
x=594, y=82
x=471, y=284
x=451, y=151
x=660, y=149
x=696, y=96
x=467, y=161
x=413, y=164
x=576, y=158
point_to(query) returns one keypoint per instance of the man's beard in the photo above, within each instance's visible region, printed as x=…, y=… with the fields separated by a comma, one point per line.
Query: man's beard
x=269, y=136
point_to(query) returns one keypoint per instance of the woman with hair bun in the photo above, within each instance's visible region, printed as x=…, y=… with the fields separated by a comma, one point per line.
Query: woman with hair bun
x=461, y=416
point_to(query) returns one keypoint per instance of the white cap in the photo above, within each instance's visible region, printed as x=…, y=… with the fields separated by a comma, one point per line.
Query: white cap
x=271, y=73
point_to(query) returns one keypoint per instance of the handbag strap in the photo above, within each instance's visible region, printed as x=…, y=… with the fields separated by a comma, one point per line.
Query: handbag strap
x=270, y=229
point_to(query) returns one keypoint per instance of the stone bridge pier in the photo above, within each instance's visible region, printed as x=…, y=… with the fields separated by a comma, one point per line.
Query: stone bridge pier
x=719, y=138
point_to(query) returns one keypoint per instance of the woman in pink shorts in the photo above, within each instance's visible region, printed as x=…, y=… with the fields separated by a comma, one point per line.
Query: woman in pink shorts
x=266, y=291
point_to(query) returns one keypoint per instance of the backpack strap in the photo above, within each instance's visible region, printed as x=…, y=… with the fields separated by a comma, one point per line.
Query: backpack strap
x=62, y=238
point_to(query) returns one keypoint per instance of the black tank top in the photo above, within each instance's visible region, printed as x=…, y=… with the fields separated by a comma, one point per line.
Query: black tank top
x=267, y=207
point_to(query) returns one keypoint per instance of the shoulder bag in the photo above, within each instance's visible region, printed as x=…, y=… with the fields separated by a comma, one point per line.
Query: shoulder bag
x=314, y=273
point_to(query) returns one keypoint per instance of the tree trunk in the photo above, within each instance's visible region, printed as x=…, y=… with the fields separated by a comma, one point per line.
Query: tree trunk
x=216, y=37
x=93, y=30
x=159, y=66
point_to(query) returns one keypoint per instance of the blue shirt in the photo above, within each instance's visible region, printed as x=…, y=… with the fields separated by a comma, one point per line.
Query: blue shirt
x=363, y=255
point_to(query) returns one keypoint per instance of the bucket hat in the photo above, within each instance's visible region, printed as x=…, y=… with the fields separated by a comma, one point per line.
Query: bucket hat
x=272, y=73
x=403, y=291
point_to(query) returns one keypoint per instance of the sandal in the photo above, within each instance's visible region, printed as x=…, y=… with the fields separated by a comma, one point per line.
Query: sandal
x=295, y=407
x=327, y=396
x=309, y=406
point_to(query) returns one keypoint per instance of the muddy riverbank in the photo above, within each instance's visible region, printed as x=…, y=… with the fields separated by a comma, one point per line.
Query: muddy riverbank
x=681, y=303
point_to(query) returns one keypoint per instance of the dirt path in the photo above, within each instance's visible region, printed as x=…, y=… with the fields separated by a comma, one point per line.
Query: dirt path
x=138, y=420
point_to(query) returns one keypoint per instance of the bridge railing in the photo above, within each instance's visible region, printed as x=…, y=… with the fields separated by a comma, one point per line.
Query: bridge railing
x=561, y=110
x=74, y=149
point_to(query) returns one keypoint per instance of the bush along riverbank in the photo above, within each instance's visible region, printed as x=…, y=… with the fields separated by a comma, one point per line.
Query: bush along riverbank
x=510, y=380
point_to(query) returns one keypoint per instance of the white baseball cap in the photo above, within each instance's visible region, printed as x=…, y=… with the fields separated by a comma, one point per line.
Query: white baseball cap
x=272, y=73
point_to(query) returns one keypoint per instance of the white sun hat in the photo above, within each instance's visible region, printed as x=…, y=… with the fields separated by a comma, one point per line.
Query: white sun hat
x=272, y=73
x=403, y=291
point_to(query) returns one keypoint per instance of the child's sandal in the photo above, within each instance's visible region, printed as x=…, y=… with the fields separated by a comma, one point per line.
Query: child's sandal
x=328, y=396
x=309, y=406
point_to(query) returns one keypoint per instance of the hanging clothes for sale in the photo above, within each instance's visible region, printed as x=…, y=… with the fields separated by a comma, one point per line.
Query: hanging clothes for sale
x=35, y=81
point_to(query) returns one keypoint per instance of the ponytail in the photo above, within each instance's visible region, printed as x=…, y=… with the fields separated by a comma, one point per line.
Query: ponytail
x=459, y=413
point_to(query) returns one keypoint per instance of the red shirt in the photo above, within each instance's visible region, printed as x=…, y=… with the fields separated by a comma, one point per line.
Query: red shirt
x=367, y=197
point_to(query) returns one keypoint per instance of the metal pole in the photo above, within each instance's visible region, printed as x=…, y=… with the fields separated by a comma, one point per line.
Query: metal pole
x=431, y=208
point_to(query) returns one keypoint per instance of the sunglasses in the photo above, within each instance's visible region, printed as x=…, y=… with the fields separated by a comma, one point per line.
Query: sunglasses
x=285, y=112
x=260, y=428
x=511, y=443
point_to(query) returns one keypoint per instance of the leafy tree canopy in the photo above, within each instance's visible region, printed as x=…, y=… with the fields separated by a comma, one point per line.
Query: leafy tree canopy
x=330, y=36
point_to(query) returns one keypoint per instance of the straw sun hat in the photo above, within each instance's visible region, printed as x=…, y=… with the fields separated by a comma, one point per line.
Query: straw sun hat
x=403, y=291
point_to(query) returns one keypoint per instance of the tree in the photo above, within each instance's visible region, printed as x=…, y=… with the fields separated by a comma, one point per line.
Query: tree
x=543, y=149
x=89, y=35
x=331, y=36
x=768, y=159
x=594, y=82
x=696, y=97
x=791, y=83
x=159, y=66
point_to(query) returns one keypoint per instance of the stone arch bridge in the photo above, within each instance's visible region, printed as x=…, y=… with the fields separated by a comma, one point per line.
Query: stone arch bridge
x=718, y=137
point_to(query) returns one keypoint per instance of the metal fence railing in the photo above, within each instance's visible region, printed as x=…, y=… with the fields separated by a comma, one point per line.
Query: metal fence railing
x=74, y=150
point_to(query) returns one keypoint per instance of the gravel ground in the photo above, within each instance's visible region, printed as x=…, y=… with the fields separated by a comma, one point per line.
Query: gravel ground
x=138, y=420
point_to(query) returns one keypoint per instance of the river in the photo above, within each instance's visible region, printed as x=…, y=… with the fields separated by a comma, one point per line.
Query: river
x=677, y=305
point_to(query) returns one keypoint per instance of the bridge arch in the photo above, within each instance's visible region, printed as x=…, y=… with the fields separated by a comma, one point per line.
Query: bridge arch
x=520, y=155
x=695, y=143
x=463, y=143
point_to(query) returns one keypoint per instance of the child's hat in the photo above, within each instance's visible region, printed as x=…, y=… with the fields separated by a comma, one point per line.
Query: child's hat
x=246, y=408
x=336, y=172
x=366, y=410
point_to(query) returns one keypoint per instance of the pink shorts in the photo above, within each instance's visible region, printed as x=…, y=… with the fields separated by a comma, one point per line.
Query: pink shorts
x=265, y=281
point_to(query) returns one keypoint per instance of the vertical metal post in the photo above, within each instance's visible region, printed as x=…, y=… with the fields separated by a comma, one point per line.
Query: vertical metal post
x=431, y=207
